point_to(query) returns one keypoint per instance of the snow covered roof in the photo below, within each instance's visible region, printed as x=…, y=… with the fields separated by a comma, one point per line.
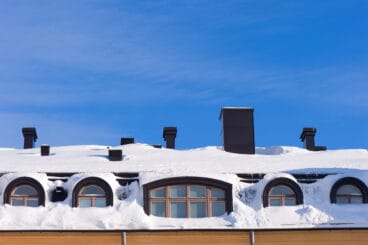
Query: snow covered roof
x=154, y=164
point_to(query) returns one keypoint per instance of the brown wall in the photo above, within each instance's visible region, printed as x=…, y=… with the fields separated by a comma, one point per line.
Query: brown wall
x=188, y=237
x=297, y=237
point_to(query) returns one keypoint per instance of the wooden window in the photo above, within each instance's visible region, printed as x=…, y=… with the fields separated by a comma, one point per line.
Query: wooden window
x=91, y=196
x=282, y=192
x=187, y=201
x=24, y=195
x=349, y=194
x=349, y=190
x=281, y=195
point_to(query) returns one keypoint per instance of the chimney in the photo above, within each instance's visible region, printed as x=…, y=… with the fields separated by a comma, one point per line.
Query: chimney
x=45, y=150
x=115, y=155
x=125, y=141
x=238, y=130
x=30, y=137
x=169, y=134
x=307, y=137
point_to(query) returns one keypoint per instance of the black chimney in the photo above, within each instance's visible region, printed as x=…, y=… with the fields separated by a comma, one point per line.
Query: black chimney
x=238, y=130
x=45, y=150
x=169, y=135
x=125, y=141
x=30, y=137
x=115, y=155
x=307, y=137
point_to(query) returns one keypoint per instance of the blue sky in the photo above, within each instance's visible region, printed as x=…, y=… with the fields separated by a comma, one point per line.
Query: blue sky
x=90, y=72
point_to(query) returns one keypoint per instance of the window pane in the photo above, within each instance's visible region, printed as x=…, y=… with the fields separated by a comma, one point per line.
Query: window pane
x=197, y=191
x=275, y=202
x=282, y=190
x=342, y=200
x=178, y=209
x=158, y=209
x=348, y=190
x=356, y=200
x=84, y=202
x=100, y=202
x=25, y=190
x=217, y=193
x=158, y=193
x=178, y=191
x=218, y=208
x=197, y=209
x=32, y=203
x=93, y=190
x=290, y=201
x=17, y=201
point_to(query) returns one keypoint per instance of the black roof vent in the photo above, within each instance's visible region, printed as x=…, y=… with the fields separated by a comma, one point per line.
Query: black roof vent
x=307, y=137
x=169, y=134
x=115, y=154
x=238, y=130
x=45, y=150
x=30, y=137
x=125, y=141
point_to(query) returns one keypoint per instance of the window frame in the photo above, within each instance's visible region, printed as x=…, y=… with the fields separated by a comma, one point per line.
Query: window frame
x=24, y=181
x=188, y=181
x=88, y=182
x=349, y=181
x=298, y=194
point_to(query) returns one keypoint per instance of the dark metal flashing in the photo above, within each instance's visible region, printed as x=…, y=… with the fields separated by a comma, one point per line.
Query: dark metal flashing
x=308, y=178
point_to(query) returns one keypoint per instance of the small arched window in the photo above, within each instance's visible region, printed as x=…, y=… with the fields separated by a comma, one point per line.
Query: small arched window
x=282, y=192
x=349, y=191
x=92, y=192
x=24, y=192
x=187, y=197
x=92, y=196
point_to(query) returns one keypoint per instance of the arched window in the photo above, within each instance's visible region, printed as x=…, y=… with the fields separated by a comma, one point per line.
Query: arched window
x=349, y=191
x=282, y=192
x=92, y=192
x=187, y=197
x=91, y=196
x=24, y=192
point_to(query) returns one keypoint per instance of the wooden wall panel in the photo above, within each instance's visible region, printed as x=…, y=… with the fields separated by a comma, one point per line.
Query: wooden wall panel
x=312, y=237
x=60, y=238
x=188, y=238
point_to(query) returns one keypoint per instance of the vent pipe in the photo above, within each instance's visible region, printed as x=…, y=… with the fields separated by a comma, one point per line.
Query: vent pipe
x=169, y=134
x=307, y=137
x=238, y=130
x=30, y=137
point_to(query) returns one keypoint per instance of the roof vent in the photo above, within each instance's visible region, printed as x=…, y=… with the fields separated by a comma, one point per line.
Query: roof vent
x=169, y=134
x=115, y=155
x=238, y=130
x=30, y=137
x=307, y=138
x=59, y=194
x=125, y=141
x=45, y=150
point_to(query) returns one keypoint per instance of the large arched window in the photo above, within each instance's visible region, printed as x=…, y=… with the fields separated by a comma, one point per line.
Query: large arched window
x=187, y=197
x=24, y=191
x=349, y=191
x=282, y=192
x=92, y=192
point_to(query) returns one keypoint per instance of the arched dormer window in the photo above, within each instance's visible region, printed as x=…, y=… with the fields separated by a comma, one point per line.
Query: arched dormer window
x=92, y=192
x=187, y=197
x=349, y=191
x=24, y=191
x=282, y=192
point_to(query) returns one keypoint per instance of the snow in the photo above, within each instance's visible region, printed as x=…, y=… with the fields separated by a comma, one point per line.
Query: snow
x=153, y=164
